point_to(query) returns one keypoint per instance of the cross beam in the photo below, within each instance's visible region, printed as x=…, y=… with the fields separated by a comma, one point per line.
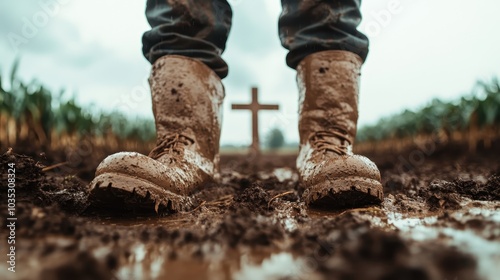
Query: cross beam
x=255, y=107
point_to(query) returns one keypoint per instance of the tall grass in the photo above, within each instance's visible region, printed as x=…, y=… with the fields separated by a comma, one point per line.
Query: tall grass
x=30, y=114
x=473, y=118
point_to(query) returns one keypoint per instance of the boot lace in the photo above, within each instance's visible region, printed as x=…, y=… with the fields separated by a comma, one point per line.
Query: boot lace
x=170, y=143
x=324, y=141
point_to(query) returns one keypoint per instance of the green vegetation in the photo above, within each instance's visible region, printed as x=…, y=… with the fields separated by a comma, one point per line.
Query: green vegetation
x=275, y=139
x=478, y=111
x=31, y=114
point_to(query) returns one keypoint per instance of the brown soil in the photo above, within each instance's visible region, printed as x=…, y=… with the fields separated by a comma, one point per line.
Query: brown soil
x=439, y=220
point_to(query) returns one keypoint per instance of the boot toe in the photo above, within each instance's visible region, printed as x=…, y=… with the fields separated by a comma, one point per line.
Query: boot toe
x=134, y=181
x=344, y=182
x=145, y=168
x=351, y=166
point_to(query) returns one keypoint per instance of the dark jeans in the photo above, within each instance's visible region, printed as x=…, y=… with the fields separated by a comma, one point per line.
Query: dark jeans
x=199, y=29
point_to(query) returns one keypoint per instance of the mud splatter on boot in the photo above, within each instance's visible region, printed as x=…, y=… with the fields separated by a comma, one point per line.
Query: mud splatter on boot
x=333, y=177
x=187, y=98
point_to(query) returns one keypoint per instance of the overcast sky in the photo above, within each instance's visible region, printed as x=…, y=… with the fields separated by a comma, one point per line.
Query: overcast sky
x=426, y=49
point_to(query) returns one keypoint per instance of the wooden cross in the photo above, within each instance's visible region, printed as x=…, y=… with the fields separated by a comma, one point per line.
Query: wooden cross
x=255, y=107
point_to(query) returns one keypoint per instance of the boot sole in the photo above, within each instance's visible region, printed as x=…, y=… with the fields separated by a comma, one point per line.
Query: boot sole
x=123, y=194
x=344, y=193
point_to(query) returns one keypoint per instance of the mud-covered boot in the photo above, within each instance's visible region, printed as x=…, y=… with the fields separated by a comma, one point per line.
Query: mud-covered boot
x=333, y=177
x=187, y=98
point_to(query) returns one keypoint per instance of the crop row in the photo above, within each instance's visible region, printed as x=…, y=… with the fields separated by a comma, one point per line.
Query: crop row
x=30, y=114
x=472, y=118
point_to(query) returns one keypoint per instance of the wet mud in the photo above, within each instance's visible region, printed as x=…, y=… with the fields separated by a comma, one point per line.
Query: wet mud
x=439, y=220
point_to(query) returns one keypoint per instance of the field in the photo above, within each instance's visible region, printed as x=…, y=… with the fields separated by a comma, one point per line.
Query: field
x=439, y=220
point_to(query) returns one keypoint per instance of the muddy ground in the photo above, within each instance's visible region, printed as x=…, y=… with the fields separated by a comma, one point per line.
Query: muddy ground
x=440, y=220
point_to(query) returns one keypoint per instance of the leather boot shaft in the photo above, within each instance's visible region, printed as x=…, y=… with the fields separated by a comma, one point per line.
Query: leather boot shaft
x=333, y=177
x=328, y=85
x=187, y=98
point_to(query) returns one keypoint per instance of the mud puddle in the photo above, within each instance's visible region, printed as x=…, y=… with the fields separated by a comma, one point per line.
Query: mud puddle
x=152, y=263
x=474, y=230
x=482, y=242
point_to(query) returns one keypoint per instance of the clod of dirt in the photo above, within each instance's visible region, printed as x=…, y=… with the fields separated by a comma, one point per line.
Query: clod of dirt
x=469, y=188
x=241, y=225
x=70, y=193
x=492, y=187
x=254, y=199
x=32, y=184
x=28, y=173
x=247, y=229
x=448, y=201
